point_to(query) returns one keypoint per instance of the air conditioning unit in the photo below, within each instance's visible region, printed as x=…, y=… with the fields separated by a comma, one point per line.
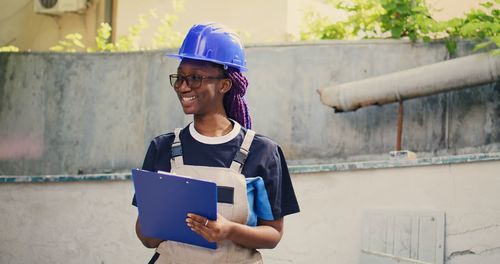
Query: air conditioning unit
x=57, y=7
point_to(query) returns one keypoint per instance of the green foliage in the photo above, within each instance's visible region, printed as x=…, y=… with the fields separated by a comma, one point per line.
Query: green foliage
x=102, y=38
x=71, y=43
x=130, y=42
x=483, y=26
x=9, y=48
x=165, y=35
x=362, y=21
x=315, y=25
x=406, y=19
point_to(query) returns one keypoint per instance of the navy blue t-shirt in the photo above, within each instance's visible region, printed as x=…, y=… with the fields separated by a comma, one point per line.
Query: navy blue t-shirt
x=265, y=160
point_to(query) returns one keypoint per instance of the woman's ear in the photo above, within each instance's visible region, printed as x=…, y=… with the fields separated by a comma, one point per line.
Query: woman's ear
x=226, y=86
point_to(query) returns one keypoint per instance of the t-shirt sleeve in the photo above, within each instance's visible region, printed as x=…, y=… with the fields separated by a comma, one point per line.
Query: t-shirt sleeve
x=149, y=162
x=280, y=192
x=150, y=158
x=289, y=204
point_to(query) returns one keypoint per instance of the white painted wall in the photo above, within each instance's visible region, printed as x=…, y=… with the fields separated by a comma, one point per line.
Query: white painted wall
x=447, y=9
x=257, y=21
x=90, y=222
x=22, y=27
x=328, y=230
x=93, y=222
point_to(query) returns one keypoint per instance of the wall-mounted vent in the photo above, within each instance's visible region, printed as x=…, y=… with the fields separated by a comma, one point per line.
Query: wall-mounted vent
x=399, y=237
x=57, y=7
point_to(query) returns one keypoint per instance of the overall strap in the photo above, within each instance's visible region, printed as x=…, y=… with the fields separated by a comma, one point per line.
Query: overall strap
x=176, y=150
x=242, y=154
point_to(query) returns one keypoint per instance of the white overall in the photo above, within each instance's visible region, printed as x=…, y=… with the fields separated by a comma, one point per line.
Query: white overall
x=172, y=252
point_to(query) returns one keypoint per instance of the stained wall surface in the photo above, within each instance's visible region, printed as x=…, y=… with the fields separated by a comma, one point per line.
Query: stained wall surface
x=94, y=113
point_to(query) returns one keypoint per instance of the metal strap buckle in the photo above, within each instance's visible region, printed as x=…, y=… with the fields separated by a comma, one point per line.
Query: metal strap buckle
x=241, y=156
x=176, y=150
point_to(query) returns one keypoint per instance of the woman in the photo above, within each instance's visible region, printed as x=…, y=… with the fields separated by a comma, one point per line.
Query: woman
x=219, y=146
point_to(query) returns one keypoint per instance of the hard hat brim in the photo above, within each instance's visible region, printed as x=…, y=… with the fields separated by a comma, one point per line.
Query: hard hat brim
x=180, y=57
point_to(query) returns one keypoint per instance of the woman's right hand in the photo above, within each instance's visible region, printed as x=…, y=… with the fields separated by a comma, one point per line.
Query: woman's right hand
x=212, y=231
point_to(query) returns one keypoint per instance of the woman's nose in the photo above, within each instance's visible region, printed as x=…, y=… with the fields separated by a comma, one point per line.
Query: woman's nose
x=184, y=87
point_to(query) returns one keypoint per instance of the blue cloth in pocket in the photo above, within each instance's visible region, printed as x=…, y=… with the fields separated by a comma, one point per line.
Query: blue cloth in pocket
x=258, y=201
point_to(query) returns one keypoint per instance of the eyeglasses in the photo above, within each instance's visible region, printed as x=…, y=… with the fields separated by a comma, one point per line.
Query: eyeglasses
x=192, y=81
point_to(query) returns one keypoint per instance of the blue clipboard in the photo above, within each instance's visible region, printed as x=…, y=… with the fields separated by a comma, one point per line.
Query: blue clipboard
x=164, y=200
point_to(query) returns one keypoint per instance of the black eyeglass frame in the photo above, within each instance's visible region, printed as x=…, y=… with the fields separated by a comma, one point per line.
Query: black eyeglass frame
x=189, y=79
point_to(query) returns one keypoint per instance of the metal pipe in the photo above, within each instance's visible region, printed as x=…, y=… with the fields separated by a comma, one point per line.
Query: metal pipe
x=399, y=126
x=426, y=80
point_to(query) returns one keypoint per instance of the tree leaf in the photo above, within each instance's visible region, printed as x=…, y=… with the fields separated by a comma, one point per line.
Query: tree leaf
x=396, y=32
x=470, y=29
x=496, y=40
x=481, y=46
x=57, y=48
x=9, y=48
x=78, y=43
x=487, y=4
x=451, y=46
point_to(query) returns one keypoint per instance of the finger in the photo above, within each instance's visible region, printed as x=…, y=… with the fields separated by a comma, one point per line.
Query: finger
x=203, y=221
x=199, y=229
x=204, y=232
x=194, y=224
x=196, y=228
x=197, y=218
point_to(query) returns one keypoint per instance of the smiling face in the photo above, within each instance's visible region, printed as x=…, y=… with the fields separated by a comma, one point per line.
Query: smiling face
x=208, y=97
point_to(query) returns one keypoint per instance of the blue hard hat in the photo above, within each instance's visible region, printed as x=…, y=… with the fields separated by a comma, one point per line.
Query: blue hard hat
x=213, y=42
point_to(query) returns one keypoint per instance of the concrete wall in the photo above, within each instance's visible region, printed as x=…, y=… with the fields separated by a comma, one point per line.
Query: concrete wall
x=83, y=113
x=78, y=113
x=328, y=230
x=93, y=222
x=95, y=113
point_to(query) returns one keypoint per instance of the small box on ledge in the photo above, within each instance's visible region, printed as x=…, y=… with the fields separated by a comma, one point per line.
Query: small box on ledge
x=403, y=155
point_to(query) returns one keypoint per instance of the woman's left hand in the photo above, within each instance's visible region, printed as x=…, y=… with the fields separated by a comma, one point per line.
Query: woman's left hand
x=212, y=231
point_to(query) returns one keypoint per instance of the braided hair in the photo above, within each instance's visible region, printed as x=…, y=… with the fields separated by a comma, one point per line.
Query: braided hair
x=234, y=102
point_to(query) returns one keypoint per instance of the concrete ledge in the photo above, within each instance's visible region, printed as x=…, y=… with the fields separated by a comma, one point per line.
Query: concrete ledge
x=67, y=178
x=380, y=164
x=395, y=163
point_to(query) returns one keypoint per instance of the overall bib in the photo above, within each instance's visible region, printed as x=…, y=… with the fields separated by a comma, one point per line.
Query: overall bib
x=171, y=252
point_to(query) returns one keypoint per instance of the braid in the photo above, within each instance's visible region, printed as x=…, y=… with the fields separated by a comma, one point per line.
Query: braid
x=234, y=102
